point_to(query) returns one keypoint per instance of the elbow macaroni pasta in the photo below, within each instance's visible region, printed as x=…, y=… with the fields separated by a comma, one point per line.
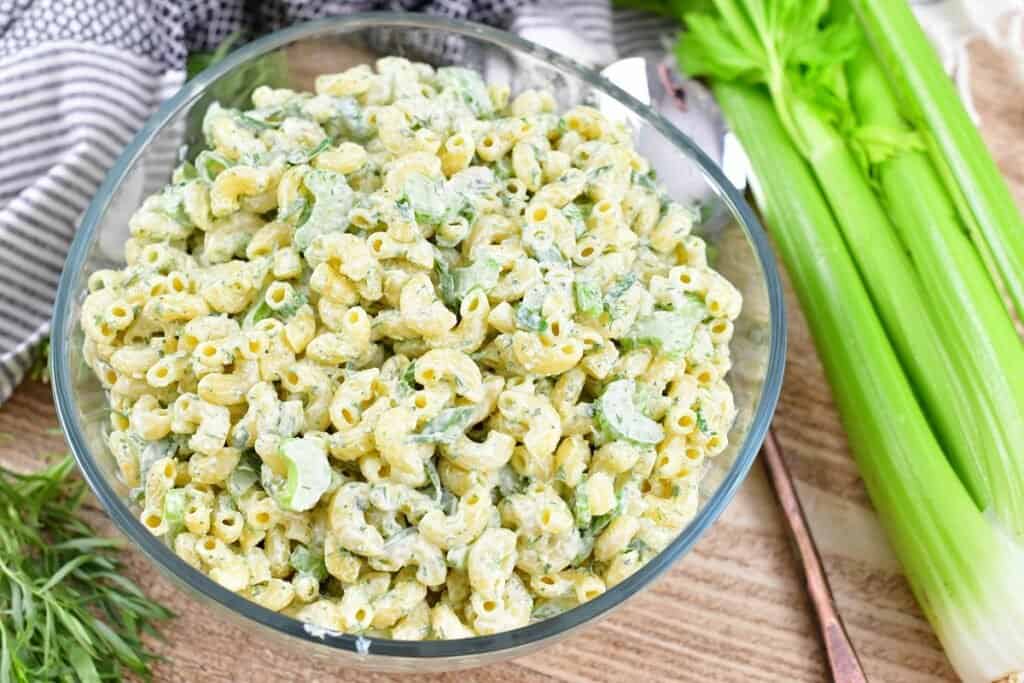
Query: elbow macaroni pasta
x=413, y=357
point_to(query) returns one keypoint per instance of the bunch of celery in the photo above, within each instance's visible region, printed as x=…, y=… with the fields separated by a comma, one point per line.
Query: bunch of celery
x=885, y=206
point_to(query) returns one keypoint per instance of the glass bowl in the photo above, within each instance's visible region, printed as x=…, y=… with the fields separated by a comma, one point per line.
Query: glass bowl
x=292, y=58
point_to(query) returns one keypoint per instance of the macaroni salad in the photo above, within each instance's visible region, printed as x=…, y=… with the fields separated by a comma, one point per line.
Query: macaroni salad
x=408, y=359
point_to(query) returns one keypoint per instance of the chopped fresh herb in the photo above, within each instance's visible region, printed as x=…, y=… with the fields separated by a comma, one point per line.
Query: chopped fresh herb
x=622, y=285
x=297, y=301
x=702, y=424
x=646, y=180
x=305, y=156
x=435, y=481
x=638, y=545
x=252, y=124
x=408, y=378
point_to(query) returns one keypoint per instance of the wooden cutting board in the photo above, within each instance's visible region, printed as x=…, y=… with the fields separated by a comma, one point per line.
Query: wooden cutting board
x=734, y=609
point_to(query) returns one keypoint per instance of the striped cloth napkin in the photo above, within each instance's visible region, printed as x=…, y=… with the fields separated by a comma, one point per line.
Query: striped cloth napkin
x=79, y=77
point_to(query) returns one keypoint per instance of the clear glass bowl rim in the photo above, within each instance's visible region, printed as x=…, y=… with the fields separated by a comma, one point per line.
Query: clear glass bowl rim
x=509, y=640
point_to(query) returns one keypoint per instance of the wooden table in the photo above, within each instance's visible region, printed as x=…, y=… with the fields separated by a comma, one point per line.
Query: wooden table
x=733, y=610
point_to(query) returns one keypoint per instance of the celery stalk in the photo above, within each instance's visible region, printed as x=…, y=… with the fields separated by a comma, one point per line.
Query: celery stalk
x=795, y=59
x=964, y=572
x=957, y=148
x=963, y=300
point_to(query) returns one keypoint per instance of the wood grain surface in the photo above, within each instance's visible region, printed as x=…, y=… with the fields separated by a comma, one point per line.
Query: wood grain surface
x=732, y=610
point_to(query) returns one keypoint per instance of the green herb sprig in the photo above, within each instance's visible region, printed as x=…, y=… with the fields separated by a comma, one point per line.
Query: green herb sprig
x=67, y=613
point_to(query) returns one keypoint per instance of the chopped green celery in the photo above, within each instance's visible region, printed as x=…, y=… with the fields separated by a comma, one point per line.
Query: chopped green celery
x=185, y=172
x=530, y=319
x=447, y=426
x=529, y=315
x=309, y=474
x=468, y=87
x=574, y=214
x=257, y=312
x=245, y=475
x=456, y=283
x=332, y=201
x=972, y=321
x=921, y=333
x=503, y=168
x=471, y=182
x=614, y=300
x=540, y=244
x=511, y=482
x=427, y=198
x=930, y=99
x=589, y=298
x=151, y=451
x=964, y=571
x=309, y=561
x=352, y=119
x=581, y=506
x=456, y=557
x=175, y=502
x=668, y=332
x=617, y=413
x=597, y=525
x=545, y=608
x=208, y=164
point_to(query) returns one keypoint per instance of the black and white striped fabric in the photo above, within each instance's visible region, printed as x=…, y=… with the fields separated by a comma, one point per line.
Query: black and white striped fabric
x=78, y=78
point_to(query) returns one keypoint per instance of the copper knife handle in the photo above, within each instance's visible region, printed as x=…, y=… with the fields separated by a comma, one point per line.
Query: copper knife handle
x=842, y=657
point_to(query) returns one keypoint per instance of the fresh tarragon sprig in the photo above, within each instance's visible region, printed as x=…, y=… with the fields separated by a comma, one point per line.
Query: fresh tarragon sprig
x=67, y=613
